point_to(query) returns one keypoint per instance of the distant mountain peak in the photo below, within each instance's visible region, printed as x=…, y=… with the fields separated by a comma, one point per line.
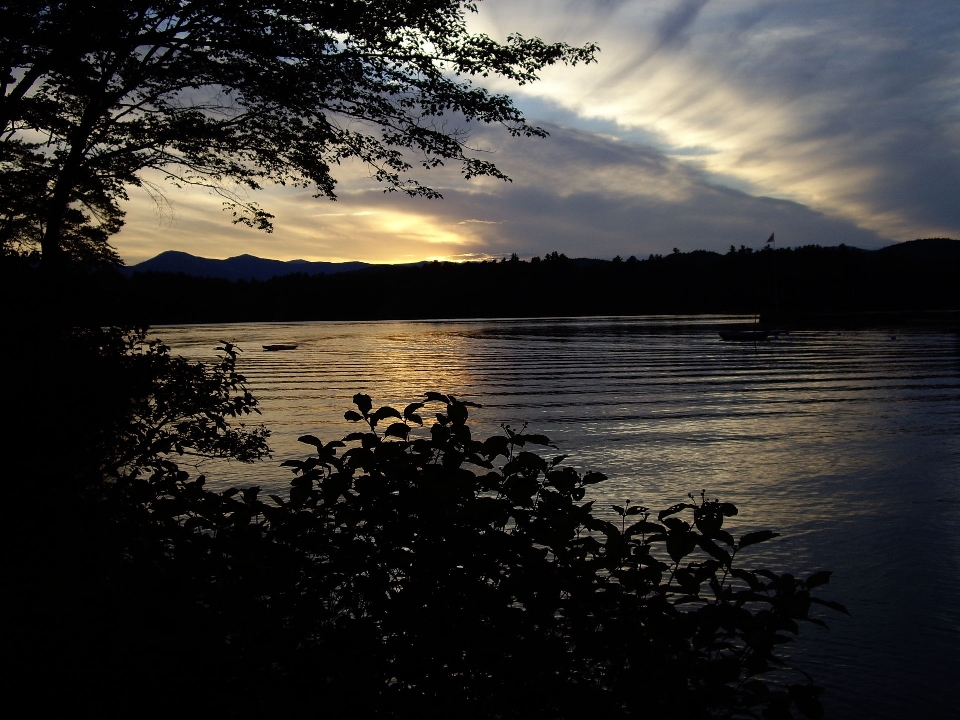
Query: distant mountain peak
x=240, y=267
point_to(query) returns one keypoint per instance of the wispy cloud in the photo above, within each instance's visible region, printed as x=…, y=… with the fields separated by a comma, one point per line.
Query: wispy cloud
x=703, y=124
x=843, y=106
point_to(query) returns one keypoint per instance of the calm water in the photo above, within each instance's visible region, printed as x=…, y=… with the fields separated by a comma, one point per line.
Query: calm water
x=848, y=444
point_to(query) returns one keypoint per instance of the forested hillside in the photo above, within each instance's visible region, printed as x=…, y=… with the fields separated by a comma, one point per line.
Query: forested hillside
x=803, y=285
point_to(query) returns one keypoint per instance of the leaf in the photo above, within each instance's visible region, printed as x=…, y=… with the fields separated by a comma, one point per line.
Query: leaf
x=363, y=402
x=411, y=409
x=757, y=537
x=310, y=440
x=725, y=536
x=715, y=550
x=352, y=416
x=399, y=430
x=437, y=397
x=532, y=461
x=748, y=577
x=557, y=460
x=387, y=411
x=645, y=526
x=819, y=578
x=496, y=445
x=355, y=436
x=591, y=478
x=676, y=524
x=680, y=544
x=620, y=511
x=830, y=604
x=728, y=509
x=673, y=510
x=537, y=439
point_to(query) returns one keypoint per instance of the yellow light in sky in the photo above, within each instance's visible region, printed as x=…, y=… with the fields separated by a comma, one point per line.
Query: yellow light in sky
x=361, y=226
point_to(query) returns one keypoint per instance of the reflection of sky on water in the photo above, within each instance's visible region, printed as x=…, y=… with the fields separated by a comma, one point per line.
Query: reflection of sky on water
x=847, y=444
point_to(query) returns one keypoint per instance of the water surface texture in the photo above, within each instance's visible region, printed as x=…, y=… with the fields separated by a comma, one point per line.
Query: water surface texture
x=847, y=443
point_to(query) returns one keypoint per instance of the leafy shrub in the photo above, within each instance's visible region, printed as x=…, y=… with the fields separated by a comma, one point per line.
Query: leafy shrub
x=413, y=574
x=407, y=573
x=105, y=402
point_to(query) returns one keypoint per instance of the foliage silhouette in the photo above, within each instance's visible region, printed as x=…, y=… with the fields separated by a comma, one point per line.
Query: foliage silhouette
x=414, y=573
x=140, y=404
x=97, y=98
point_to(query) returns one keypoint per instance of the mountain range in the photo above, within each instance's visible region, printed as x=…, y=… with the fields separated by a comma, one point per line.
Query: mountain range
x=250, y=267
x=241, y=267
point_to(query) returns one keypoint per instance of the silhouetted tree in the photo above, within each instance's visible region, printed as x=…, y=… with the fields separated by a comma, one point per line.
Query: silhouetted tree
x=100, y=96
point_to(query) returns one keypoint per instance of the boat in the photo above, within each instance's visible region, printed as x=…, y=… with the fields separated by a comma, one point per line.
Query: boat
x=273, y=348
x=744, y=335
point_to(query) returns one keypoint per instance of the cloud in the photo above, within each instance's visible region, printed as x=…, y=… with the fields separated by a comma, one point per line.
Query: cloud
x=672, y=29
x=703, y=124
x=577, y=192
x=842, y=106
x=587, y=195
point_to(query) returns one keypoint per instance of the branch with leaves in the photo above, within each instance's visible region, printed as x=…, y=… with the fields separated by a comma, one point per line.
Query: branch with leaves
x=279, y=91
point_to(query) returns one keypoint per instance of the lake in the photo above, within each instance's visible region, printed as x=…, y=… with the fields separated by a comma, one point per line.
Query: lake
x=847, y=443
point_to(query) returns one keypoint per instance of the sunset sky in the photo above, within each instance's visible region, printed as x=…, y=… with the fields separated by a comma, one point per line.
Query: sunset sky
x=704, y=123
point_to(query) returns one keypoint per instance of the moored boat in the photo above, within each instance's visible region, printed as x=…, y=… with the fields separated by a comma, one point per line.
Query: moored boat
x=273, y=348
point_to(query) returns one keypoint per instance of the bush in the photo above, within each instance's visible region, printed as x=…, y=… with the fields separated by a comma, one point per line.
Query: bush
x=409, y=574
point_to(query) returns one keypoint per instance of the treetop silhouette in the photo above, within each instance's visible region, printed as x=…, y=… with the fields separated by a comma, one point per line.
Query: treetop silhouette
x=228, y=96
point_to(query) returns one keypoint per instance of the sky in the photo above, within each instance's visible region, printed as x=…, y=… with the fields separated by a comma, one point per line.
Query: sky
x=703, y=124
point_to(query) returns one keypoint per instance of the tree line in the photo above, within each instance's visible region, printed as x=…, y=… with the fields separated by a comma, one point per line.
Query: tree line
x=808, y=284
